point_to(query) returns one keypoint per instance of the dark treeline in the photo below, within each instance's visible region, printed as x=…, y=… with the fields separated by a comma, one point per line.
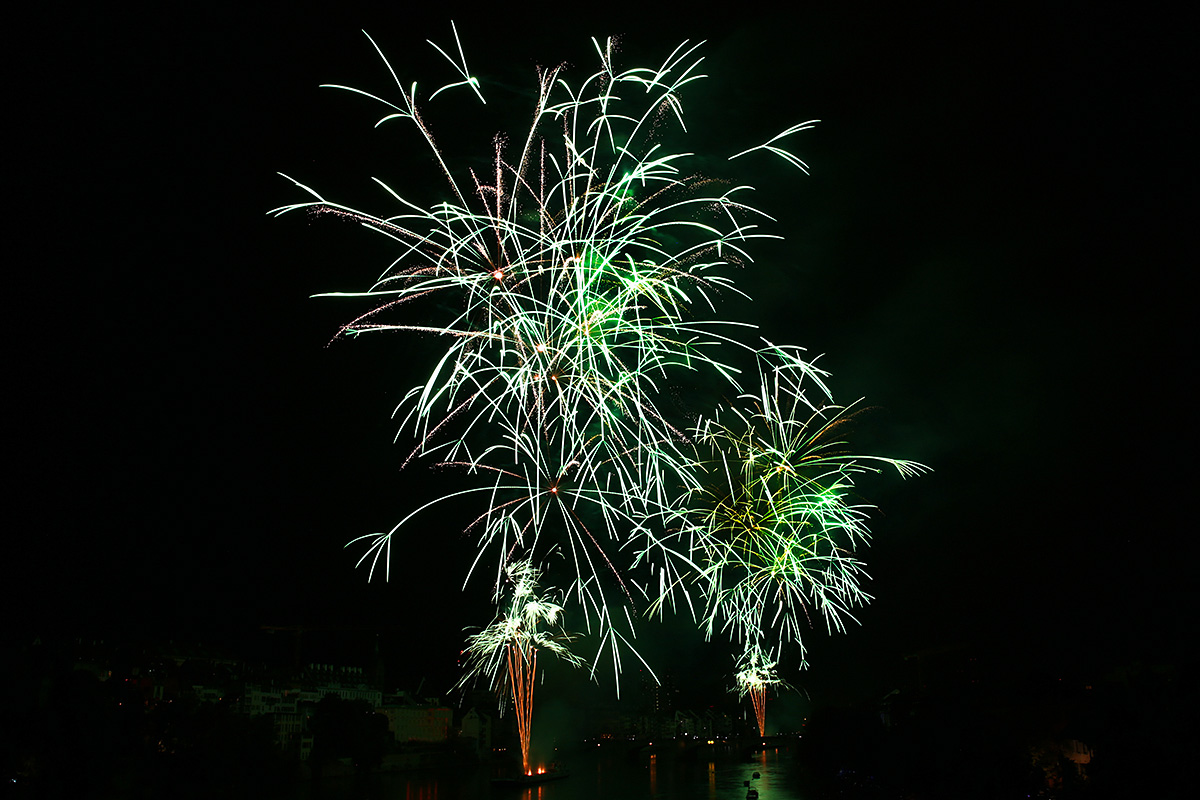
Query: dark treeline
x=72, y=735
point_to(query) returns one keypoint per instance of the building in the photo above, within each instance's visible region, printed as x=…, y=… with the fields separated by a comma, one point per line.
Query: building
x=412, y=720
x=477, y=728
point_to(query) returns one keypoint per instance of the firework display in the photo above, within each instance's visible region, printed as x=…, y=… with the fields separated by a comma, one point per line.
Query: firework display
x=506, y=650
x=577, y=288
x=773, y=526
x=756, y=673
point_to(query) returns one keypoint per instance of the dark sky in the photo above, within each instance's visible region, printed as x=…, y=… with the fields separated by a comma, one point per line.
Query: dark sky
x=990, y=249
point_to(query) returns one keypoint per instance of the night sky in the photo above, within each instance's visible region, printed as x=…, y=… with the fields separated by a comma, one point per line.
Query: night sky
x=989, y=249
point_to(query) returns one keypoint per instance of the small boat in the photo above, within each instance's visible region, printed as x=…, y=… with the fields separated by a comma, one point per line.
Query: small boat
x=533, y=779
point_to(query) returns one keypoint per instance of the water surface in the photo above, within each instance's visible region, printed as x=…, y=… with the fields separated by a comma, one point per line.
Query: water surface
x=594, y=776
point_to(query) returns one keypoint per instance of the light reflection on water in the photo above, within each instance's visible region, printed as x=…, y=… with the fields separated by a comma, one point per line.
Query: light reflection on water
x=593, y=776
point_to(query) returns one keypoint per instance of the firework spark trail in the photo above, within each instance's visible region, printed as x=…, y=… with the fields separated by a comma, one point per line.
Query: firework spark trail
x=579, y=276
x=522, y=671
x=772, y=523
x=758, y=696
x=506, y=650
x=755, y=674
x=594, y=237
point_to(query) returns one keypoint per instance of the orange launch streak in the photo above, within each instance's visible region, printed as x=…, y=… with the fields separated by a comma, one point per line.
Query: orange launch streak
x=758, y=695
x=522, y=667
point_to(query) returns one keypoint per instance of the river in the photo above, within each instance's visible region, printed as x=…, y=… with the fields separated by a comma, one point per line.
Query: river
x=594, y=776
